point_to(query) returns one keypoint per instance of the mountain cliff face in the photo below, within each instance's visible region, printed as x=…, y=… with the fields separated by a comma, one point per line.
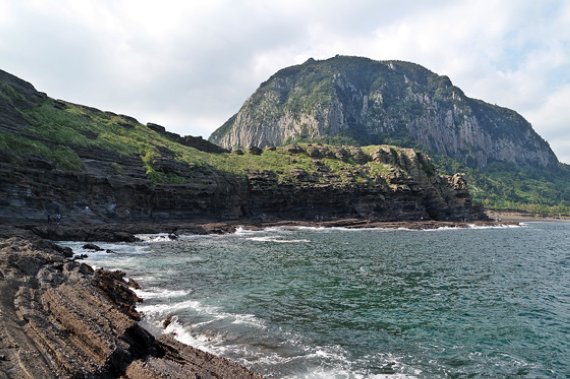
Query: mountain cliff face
x=93, y=166
x=374, y=102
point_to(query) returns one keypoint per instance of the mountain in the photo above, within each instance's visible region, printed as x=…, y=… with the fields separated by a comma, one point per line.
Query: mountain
x=92, y=166
x=364, y=102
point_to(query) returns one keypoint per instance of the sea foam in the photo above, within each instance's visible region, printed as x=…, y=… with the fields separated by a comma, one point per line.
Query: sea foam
x=158, y=237
x=276, y=240
x=160, y=293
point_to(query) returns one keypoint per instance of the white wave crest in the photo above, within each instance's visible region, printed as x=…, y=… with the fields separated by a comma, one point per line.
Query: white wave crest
x=276, y=240
x=241, y=231
x=500, y=226
x=160, y=293
x=158, y=310
x=183, y=335
x=159, y=237
x=77, y=247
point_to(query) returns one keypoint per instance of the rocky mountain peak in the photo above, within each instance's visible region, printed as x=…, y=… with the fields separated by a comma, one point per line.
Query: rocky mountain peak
x=362, y=101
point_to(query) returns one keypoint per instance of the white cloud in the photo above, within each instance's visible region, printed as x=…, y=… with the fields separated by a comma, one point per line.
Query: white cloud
x=189, y=65
x=553, y=115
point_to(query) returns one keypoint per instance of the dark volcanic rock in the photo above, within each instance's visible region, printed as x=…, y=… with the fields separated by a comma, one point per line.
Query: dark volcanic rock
x=202, y=144
x=294, y=149
x=133, y=284
x=418, y=194
x=61, y=319
x=157, y=128
x=255, y=150
x=195, y=142
x=209, y=195
x=40, y=164
x=92, y=246
x=88, y=234
x=65, y=251
x=114, y=285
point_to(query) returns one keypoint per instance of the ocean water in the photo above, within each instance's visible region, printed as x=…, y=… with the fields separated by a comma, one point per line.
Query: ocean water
x=338, y=303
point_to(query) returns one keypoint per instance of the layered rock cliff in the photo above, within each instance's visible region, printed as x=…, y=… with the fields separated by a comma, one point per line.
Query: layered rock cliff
x=397, y=184
x=374, y=102
x=90, y=166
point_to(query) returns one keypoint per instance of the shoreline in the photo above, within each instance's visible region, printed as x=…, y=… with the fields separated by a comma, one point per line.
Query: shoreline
x=54, y=307
x=125, y=232
x=61, y=318
x=521, y=217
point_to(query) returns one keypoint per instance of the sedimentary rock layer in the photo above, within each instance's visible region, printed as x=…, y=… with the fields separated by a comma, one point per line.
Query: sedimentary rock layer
x=61, y=319
x=410, y=191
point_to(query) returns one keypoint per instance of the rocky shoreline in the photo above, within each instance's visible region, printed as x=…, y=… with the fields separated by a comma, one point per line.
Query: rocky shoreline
x=61, y=318
x=125, y=232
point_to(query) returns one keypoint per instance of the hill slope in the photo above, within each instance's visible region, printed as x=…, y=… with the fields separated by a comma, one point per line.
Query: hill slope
x=371, y=102
x=94, y=166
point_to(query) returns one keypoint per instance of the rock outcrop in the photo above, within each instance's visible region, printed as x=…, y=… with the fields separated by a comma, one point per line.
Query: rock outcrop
x=61, y=319
x=70, y=163
x=191, y=141
x=411, y=190
x=371, y=102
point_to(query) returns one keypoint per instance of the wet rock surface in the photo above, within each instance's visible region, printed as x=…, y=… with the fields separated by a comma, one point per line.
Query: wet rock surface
x=92, y=246
x=61, y=319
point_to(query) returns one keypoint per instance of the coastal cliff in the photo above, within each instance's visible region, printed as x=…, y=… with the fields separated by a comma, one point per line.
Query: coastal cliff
x=396, y=184
x=62, y=319
x=90, y=166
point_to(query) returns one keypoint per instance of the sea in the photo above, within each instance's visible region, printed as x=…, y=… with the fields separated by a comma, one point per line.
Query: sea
x=301, y=302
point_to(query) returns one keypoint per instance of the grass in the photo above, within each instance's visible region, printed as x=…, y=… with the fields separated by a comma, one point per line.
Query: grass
x=19, y=150
x=505, y=187
x=118, y=169
x=58, y=133
x=9, y=93
x=61, y=133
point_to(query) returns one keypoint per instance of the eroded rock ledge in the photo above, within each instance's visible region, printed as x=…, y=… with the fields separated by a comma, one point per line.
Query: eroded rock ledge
x=60, y=318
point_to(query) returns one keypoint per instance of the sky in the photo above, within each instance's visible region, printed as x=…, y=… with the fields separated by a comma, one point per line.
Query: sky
x=190, y=65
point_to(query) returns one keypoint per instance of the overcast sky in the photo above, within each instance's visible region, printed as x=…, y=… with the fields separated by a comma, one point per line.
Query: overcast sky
x=189, y=65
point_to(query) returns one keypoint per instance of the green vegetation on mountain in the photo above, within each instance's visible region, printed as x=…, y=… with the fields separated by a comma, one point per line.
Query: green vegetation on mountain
x=359, y=101
x=506, y=187
x=382, y=102
x=65, y=134
x=503, y=187
x=110, y=165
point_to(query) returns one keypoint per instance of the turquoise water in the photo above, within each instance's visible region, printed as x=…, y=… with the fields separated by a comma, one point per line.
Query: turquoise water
x=334, y=303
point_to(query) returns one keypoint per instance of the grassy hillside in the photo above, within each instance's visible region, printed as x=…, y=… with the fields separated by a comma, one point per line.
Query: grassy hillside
x=506, y=187
x=65, y=134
